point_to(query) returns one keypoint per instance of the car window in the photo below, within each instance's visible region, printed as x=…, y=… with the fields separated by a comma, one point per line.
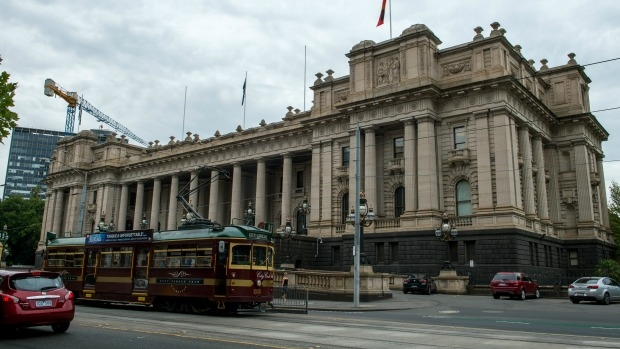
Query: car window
x=586, y=281
x=613, y=283
x=507, y=277
x=27, y=282
x=605, y=281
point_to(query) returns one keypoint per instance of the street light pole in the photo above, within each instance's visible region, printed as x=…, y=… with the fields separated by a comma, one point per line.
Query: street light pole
x=446, y=232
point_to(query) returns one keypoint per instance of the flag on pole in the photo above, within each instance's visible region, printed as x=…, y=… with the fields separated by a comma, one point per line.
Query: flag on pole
x=243, y=98
x=382, y=15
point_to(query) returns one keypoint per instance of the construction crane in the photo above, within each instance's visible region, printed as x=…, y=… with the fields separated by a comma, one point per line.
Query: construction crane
x=76, y=102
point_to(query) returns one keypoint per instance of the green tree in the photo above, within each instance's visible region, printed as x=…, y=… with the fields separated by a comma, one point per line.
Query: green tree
x=8, y=119
x=608, y=267
x=614, y=214
x=23, y=218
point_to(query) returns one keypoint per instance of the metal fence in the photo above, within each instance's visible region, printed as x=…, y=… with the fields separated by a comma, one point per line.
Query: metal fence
x=296, y=299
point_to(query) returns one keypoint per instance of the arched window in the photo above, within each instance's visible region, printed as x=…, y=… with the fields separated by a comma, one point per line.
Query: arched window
x=463, y=198
x=344, y=209
x=399, y=201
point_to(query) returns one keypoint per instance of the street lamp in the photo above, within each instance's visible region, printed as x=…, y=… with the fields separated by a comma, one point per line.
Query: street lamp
x=144, y=223
x=446, y=232
x=287, y=233
x=366, y=218
x=304, y=211
x=104, y=228
x=249, y=215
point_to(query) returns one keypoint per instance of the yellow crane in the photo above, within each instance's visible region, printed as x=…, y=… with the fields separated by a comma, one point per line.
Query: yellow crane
x=76, y=102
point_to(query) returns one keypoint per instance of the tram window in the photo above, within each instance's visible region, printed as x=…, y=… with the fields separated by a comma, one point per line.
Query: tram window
x=203, y=256
x=92, y=258
x=159, y=258
x=116, y=257
x=259, y=256
x=56, y=258
x=241, y=255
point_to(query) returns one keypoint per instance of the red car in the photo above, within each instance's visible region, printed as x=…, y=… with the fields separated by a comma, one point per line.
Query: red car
x=514, y=285
x=34, y=298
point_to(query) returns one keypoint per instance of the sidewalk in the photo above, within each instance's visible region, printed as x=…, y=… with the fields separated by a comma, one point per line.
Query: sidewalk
x=399, y=301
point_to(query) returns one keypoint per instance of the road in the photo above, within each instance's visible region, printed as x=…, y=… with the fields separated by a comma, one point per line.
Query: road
x=444, y=322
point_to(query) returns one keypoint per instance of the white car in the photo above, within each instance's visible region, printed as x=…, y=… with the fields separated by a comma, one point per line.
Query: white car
x=596, y=288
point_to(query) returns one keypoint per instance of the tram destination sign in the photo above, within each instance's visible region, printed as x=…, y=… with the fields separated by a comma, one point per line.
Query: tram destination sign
x=116, y=237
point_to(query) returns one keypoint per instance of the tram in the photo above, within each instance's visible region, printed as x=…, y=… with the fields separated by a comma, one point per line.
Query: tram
x=213, y=268
x=201, y=266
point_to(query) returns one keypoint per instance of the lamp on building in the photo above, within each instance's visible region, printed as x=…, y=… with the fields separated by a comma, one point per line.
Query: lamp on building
x=287, y=233
x=366, y=218
x=144, y=223
x=250, y=215
x=446, y=232
x=304, y=211
x=102, y=227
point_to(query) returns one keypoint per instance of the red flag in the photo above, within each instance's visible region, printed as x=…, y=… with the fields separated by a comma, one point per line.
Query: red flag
x=382, y=15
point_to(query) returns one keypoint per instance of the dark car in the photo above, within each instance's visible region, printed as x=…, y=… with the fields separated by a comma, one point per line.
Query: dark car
x=602, y=290
x=514, y=285
x=418, y=284
x=34, y=298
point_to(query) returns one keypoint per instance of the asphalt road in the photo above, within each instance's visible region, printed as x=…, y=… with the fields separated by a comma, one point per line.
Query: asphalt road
x=436, y=321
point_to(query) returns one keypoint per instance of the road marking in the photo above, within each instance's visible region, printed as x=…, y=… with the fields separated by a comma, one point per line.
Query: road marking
x=515, y=322
x=448, y=311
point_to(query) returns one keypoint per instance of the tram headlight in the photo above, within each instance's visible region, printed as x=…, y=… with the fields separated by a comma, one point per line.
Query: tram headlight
x=259, y=283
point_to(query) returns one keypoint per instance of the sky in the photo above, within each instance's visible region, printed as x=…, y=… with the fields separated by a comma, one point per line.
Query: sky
x=164, y=68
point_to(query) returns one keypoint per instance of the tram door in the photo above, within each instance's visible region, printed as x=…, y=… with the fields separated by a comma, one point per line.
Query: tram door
x=140, y=272
x=221, y=268
x=90, y=268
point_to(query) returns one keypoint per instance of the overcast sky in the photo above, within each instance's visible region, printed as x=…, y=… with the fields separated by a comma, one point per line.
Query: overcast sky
x=135, y=60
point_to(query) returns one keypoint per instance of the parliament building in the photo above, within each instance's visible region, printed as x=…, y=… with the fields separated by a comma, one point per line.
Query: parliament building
x=503, y=150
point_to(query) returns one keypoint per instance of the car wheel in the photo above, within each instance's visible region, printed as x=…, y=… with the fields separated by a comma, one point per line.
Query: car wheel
x=522, y=297
x=575, y=301
x=496, y=296
x=61, y=327
x=405, y=291
x=537, y=293
x=606, y=299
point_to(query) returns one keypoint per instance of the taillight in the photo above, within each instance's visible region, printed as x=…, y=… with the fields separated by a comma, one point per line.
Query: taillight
x=69, y=296
x=571, y=286
x=9, y=299
x=593, y=287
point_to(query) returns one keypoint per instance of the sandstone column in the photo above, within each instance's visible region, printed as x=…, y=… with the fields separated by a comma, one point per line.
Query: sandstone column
x=260, y=202
x=173, y=204
x=155, y=204
x=122, y=210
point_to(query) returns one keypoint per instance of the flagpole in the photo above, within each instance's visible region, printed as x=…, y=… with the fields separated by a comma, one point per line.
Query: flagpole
x=304, y=77
x=390, y=5
x=245, y=104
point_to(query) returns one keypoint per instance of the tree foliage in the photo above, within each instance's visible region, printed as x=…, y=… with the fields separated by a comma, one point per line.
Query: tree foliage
x=23, y=218
x=8, y=118
x=608, y=267
x=614, y=214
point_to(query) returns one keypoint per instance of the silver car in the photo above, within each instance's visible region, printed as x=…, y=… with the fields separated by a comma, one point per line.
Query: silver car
x=596, y=288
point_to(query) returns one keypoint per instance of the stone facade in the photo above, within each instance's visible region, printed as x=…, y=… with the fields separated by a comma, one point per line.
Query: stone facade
x=512, y=154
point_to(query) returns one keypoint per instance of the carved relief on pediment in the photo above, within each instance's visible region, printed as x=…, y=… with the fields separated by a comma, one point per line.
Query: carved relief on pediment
x=388, y=71
x=341, y=96
x=456, y=67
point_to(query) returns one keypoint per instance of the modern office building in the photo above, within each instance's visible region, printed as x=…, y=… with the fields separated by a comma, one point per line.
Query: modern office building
x=29, y=158
x=467, y=154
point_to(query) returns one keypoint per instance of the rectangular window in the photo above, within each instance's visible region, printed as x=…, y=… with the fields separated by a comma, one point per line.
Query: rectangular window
x=470, y=251
x=300, y=179
x=394, y=256
x=379, y=252
x=573, y=258
x=345, y=156
x=454, y=251
x=459, y=137
x=336, y=256
x=399, y=148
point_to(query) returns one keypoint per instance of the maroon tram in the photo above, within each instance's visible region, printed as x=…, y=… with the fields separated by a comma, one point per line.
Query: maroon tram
x=197, y=268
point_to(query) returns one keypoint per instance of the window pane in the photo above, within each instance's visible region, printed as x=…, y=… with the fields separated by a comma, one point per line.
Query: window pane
x=459, y=137
x=399, y=147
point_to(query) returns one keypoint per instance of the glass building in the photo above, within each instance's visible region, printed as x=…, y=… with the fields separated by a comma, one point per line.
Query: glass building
x=29, y=158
